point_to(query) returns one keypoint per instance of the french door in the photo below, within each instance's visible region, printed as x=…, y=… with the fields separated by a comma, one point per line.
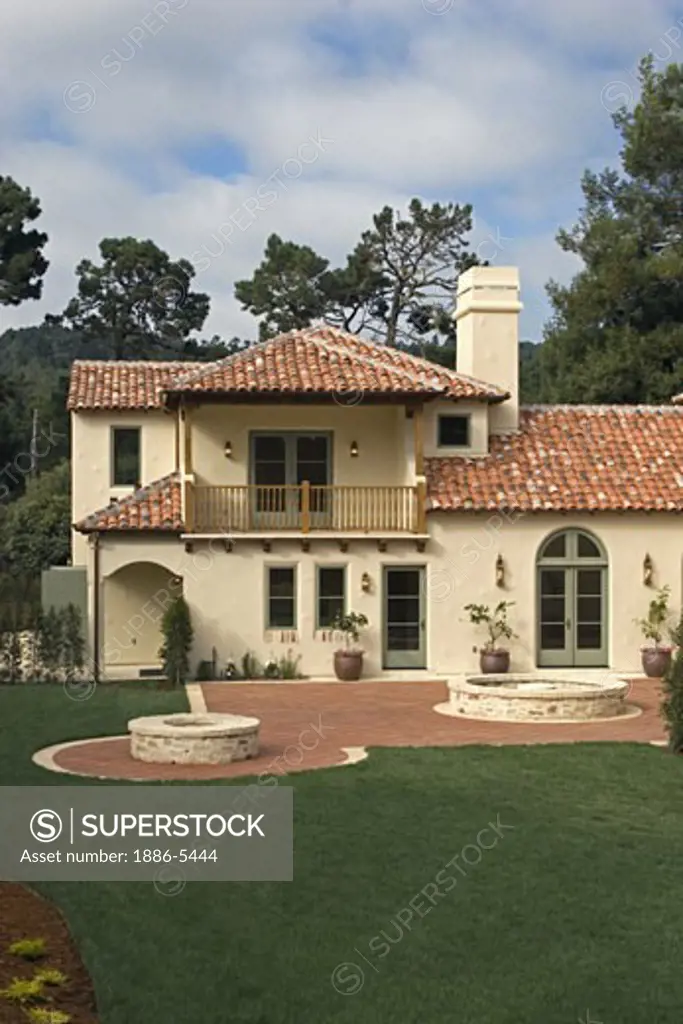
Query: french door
x=572, y=606
x=280, y=463
x=404, y=626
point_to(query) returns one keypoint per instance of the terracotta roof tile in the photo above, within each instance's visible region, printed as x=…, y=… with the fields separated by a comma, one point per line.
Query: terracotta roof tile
x=110, y=384
x=571, y=458
x=317, y=360
x=155, y=507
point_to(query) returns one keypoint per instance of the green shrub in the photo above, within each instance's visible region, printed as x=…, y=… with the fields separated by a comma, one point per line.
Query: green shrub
x=51, y=976
x=251, y=666
x=40, y=1015
x=653, y=627
x=23, y=990
x=288, y=666
x=672, y=706
x=72, y=642
x=10, y=651
x=50, y=640
x=28, y=949
x=494, y=621
x=176, y=627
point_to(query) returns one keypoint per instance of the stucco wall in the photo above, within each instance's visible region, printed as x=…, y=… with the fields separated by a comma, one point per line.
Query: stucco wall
x=479, y=439
x=380, y=432
x=226, y=591
x=91, y=460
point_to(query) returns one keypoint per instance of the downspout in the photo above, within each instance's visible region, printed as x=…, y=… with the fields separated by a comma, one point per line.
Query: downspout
x=96, y=641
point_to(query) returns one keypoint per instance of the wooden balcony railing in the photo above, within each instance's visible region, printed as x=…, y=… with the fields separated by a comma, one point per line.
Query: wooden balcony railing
x=305, y=509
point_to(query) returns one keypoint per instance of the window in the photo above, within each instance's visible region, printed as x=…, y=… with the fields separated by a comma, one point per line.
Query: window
x=126, y=457
x=454, y=432
x=281, y=608
x=331, y=594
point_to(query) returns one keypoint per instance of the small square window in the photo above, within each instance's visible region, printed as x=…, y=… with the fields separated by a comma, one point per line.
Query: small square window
x=281, y=603
x=331, y=595
x=126, y=457
x=454, y=431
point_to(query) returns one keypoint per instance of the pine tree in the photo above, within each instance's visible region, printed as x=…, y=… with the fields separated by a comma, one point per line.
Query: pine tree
x=616, y=332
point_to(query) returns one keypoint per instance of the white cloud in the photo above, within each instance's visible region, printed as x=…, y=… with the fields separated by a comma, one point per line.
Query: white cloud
x=496, y=100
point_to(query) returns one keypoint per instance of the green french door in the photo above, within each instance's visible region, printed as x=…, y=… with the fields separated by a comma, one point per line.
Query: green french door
x=280, y=463
x=572, y=603
x=404, y=612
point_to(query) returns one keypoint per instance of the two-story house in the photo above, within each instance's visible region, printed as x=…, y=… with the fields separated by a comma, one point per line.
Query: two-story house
x=320, y=471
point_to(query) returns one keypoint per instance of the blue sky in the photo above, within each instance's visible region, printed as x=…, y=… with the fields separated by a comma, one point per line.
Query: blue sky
x=170, y=118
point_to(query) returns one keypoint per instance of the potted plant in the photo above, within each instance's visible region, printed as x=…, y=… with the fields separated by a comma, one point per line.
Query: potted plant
x=656, y=655
x=492, y=658
x=348, y=660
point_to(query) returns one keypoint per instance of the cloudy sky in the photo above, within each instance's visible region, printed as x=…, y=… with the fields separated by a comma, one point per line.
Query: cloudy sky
x=208, y=124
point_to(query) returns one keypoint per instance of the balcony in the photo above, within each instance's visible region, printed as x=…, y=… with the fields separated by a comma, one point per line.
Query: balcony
x=305, y=509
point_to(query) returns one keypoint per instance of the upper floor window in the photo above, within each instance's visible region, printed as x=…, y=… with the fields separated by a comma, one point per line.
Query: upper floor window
x=126, y=469
x=454, y=432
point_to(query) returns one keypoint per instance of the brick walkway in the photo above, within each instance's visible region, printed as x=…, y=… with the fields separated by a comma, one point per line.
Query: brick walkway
x=306, y=725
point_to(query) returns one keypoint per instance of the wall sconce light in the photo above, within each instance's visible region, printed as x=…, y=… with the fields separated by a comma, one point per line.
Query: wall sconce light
x=227, y=451
x=648, y=571
x=500, y=571
x=354, y=450
x=365, y=583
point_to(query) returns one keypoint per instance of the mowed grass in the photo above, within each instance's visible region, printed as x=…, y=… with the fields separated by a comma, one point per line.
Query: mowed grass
x=575, y=909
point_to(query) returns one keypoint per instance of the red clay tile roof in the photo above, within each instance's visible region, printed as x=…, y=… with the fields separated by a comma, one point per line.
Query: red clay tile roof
x=571, y=458
x=316, y=360
x=105, y=384
x=155, y=507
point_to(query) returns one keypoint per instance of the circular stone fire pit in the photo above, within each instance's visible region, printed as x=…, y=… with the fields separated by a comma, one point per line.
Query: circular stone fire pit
x=533, y=698
x=194, y=738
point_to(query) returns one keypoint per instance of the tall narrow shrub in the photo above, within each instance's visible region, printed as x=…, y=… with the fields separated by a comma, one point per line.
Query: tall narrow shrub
x=50, y=641
x=672, y=706
x=10, y=650
x=176, y=627
x=73, y=643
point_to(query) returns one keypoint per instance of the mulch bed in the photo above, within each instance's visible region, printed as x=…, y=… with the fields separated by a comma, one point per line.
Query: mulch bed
x=25, y=915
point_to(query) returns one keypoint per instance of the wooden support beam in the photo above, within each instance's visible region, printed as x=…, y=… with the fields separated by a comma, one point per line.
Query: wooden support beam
x=418, y=434
x=187, y=422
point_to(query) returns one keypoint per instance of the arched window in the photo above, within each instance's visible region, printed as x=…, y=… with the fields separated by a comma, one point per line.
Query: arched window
x=572, y=600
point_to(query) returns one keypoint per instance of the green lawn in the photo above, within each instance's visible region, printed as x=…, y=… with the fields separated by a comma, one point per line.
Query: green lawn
x=576, y=908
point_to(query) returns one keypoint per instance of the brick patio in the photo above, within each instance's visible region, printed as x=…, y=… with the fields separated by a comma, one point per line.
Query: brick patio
x=306, y=725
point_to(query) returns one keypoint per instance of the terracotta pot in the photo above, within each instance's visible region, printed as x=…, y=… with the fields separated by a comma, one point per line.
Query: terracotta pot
x=494, y=662
x=348, y=665
x=656, y=661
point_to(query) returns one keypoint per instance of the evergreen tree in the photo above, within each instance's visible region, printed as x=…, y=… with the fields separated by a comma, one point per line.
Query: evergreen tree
x=22, y=264
x=617, y=330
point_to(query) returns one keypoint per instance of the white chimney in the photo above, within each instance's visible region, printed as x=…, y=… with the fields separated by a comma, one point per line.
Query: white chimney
x=487, y=314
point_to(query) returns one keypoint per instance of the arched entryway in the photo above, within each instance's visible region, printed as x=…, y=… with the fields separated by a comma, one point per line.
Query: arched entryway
x=571, y=609
x=134, y=600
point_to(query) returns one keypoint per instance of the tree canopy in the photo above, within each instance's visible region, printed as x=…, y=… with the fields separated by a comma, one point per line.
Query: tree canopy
x=616, y=334
x=398, y=283
x=137, y=298
x=22, y=263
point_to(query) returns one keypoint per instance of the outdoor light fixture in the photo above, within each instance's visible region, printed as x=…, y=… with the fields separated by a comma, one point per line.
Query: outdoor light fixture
x=648, y=571
x=365, y=582
x=500, y=571
x=354, y=449
x=227, y=451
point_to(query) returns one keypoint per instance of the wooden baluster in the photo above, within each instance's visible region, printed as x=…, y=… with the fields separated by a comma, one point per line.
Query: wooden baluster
x=421, y=506
x=305, y=507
